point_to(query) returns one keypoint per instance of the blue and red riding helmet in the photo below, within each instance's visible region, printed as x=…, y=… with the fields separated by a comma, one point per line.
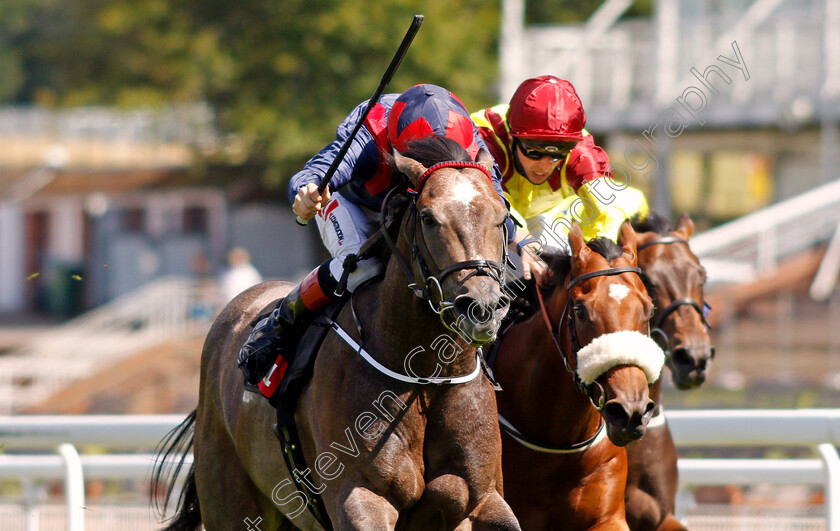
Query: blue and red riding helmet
x=429, y=110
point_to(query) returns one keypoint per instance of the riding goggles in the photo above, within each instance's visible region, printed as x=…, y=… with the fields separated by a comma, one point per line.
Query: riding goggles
x=537, y=151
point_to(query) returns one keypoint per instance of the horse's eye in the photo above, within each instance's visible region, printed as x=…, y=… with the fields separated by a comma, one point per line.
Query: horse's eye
x=580, y=311
x=428, y=219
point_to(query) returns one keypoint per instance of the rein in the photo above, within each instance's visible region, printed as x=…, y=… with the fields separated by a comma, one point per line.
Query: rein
x=586, y=390
x=436, y=279
x=433, y=278
x=676, y=304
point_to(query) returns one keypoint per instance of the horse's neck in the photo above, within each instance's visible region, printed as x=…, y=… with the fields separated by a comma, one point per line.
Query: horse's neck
x=548, y=405
x=406, y=324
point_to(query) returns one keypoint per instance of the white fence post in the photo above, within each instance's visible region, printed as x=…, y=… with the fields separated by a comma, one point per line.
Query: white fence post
x=31, y=511
x=829, y=456
x=74, y=486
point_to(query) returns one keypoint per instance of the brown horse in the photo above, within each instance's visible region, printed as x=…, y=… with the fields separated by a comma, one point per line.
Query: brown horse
x=675, y=279
x=384, y=450
x=575, y=370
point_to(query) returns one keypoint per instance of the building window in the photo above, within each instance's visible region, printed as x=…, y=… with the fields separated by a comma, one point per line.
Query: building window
x=195, y=220
x=133, y=220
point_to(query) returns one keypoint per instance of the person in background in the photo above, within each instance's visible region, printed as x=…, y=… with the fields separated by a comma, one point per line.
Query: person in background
x=240, y=275
x=552, y=170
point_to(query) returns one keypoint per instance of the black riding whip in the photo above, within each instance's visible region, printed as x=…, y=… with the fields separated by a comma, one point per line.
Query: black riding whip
x=386, y=78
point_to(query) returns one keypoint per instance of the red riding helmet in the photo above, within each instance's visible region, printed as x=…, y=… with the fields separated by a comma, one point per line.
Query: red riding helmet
x=429, y=110
x=546, y=108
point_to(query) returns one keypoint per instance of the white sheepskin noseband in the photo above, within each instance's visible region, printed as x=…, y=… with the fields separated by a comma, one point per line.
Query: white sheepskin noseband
x=627, y=347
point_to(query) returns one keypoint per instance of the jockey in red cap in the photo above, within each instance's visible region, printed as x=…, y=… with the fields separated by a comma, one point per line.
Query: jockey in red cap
x=348, y=216
x=551, y=168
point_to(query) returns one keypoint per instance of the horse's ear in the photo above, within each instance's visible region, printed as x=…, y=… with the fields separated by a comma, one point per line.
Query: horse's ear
x=685, y=226
x=579, y=247
x=627, y=241
x=485, y=159
x=412, y=169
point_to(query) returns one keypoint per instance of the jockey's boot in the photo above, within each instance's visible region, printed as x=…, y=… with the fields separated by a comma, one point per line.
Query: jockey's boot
x=272, y=335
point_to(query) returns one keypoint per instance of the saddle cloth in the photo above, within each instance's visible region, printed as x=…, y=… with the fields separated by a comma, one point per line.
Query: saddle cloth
x=293, y=367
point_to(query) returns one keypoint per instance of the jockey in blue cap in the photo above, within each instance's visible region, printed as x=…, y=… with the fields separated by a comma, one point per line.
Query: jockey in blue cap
x=348, y=216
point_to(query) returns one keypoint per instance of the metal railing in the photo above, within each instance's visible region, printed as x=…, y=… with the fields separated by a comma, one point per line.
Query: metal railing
x=165, y=308
x=752, y=245
x=185, y=125
x=819, y=428
x=628, y=72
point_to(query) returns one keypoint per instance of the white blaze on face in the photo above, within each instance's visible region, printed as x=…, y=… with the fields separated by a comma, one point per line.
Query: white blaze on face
x=465, y=191
x=618, y=292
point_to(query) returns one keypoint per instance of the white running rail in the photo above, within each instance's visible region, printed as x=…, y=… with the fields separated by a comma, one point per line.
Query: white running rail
x=165, y=308
x=818, y=428
x=752, y=245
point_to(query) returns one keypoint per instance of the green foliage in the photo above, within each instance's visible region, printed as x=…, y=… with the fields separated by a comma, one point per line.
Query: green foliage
x=280, y=75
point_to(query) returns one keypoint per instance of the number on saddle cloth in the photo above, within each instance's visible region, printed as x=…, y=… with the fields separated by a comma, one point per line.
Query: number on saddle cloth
x=293, y=368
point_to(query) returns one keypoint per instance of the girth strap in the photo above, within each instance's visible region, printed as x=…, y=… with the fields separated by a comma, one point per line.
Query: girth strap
x=287, y=433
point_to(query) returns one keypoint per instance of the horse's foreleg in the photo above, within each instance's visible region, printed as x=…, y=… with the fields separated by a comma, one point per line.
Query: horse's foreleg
x=643, y=511
x=670, y=523
x=491, y=513
x=364, y=510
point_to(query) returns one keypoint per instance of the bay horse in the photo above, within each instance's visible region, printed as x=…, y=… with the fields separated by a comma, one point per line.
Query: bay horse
x=397, y=430
x=674, y=278
x=575, y=377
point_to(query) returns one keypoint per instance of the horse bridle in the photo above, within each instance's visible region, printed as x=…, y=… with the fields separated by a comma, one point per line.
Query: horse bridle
x=433, y=277
x=586, y=390
x=657, y=329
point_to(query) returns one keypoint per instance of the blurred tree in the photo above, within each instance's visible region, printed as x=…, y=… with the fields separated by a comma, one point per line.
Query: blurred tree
x=18, y=22
x=280, y=75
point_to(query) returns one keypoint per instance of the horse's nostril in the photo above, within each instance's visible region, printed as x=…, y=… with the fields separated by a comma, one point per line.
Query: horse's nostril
x=680, y=356
x=712, y=353
x=616, y=413
x=463, y=303
x=650, y=407
x=473, y=309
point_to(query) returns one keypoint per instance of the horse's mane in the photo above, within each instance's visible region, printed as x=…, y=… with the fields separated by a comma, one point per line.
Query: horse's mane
x=606, y=248
x=560, y=263
x=653, y=223
x=431, y=150
x=427, y=151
